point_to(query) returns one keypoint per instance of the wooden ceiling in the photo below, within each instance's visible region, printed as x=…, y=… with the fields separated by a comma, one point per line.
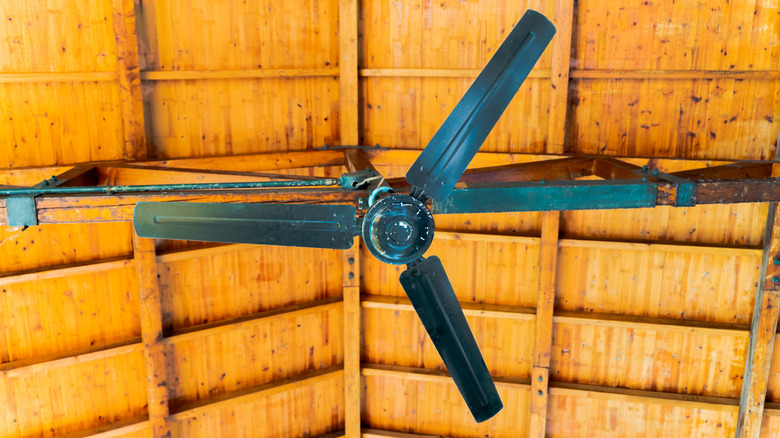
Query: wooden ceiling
x=651, y=326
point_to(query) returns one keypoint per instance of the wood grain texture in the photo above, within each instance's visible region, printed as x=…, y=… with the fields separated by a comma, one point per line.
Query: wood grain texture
x=348, y=71
x=501, y=270
x=352, y=340
x=407, y=112
x=199, y=288
x=543, y=327
x=155, y=354
x=57, y=315
x=232, y=35
x=43, y=130
x=192, y=118
x=658, y=281
x=73, y=398
x=254, y=354
x=51, y=246
x=434, y=406
x=274, y=410
x=720, y=118
x=134, y=135
x=559, y=75
x=668, y=36
x=651, y=358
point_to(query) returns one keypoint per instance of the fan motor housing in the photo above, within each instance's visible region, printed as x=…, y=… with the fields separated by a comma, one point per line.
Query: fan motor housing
x=398, y=229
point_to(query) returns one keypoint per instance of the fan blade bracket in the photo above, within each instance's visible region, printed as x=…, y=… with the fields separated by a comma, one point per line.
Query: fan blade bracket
x=433, y=298
x=448, y=154
x=311, y=226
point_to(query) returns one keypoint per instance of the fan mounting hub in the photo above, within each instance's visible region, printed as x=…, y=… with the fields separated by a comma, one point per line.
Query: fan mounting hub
x=398, y=229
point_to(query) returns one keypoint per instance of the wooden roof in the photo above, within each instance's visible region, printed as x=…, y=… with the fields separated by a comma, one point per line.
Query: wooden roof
x=640, y=322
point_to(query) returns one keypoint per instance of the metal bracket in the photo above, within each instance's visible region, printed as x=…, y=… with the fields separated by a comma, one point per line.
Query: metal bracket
x=358, y=180
x=685, y=190
x=21, y=211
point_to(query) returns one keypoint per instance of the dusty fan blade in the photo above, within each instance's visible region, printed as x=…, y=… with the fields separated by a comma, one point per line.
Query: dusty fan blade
x=432, y=296
x=312, y=226
x=455, y=144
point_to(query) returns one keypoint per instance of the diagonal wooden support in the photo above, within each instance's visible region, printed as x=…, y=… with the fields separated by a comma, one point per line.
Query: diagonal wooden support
x=352, y=341
x=152, y=336
x=545, y=301
x=762, y=332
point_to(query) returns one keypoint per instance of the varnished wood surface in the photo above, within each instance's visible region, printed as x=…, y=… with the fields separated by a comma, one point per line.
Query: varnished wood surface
x=224, y=78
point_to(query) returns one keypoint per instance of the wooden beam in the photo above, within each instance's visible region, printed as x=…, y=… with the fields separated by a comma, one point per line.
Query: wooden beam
x=40, y=364
x=76, y=76
x=178, y=75
x=762, y=332
x=130, y=97
x=152, y=336
x=559, y=76
x=378, y=433
x=248, y=395
x=561, y=388
x=438, y=73
x=348, y=71
x=469, y=309
x=545, y=302
x=76, y=268
x=246, y=321
x=675, y=74
x=521, y=313
x=352, y=340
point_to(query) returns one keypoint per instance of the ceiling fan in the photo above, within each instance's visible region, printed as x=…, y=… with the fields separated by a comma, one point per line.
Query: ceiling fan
x=396, y=228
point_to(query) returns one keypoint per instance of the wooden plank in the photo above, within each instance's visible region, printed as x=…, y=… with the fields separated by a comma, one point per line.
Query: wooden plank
x=352, y=340
x=348, y=71
x=762, y=332
x=675, y=74
x=76, y=268
x=78, y=76
x=580, y=390
x=213, y=328
x=179, y=75
x=248, y=395
x=152, y=336
x=586, y=318
x=438, y=72
x=559, y=76
x=378, y=433
x=40, y=364
x=134, y=134
x=545, y=302
x=469, y=309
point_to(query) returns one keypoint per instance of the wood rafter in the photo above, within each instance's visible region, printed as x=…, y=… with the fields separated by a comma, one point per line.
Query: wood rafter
x=352, y=340
x=575, y=389
x=545, y=302
x=152, y=336
x=762, y=332
x=134, y=135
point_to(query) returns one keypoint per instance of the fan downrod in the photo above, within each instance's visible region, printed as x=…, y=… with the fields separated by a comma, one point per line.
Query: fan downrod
x=398, y=229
